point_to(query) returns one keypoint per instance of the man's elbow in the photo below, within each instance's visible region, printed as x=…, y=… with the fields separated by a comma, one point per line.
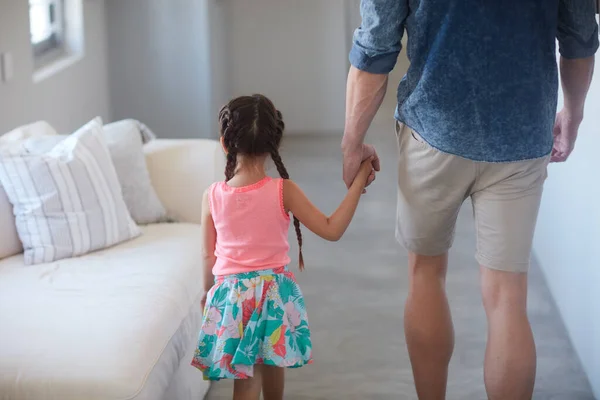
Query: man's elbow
x=379, y=64
x=577, y=47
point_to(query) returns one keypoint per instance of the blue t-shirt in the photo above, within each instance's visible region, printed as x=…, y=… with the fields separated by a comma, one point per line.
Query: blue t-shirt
x=483, y=81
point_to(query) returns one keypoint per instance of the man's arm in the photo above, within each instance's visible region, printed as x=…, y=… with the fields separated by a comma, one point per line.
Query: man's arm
x=375, y=49
x=578, y=42
x=576, y=77
x=364, y=94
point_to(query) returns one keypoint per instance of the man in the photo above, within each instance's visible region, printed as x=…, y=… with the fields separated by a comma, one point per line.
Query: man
x=476, y=118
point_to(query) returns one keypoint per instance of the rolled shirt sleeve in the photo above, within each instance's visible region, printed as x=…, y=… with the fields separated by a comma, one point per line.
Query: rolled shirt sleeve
x=377, y=42
x=577, y=28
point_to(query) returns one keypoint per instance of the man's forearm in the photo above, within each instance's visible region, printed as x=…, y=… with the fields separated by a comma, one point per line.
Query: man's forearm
x=364, y=94
x=576, y=77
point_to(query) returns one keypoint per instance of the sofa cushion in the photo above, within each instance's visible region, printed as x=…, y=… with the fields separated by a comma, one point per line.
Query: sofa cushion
x=67, y=201
x=94, y=327
x=36, y=129
x=125, y=140
x=181, y=170
x=125, y=143
x=9, y=239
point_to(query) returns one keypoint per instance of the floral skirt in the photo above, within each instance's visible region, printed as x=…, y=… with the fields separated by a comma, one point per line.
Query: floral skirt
x=253, y=318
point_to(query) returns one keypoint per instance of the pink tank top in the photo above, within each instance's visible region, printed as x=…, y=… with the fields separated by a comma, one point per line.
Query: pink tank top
x=252, y=226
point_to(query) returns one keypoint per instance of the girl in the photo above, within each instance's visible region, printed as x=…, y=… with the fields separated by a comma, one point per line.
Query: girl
x=254, y=320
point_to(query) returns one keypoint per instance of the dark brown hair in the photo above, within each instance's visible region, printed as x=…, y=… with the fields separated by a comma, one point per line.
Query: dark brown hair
x=252, y=126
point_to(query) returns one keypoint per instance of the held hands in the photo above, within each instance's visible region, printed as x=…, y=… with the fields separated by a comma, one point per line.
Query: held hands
x=566, y=127
x=365, y=172
x=354, y=161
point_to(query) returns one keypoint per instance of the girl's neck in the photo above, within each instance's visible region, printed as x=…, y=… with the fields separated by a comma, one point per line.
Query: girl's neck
x=248, y=174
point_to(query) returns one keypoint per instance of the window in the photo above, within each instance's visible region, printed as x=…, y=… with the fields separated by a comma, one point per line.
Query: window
x=57, y=35
x=47, y=26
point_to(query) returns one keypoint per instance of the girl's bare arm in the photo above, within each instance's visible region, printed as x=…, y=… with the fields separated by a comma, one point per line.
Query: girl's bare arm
x=209, y=238
x=333, y=227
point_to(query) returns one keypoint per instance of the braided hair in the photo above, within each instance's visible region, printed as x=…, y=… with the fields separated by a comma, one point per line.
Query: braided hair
x=252, y=126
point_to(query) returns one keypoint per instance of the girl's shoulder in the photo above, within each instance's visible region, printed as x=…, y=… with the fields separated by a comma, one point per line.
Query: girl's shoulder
x=289, y=191
x=210, y=190
x=213, y=186
x=212, y=194
x=289, y=186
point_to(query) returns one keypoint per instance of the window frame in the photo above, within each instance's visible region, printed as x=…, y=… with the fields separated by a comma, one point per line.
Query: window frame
x=53, y=46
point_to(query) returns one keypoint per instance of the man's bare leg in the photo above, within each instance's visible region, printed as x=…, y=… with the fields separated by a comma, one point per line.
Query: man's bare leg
x=510, y=359
x=428, y=325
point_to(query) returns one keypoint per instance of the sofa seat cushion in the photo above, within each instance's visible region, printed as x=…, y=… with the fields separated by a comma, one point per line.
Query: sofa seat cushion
x=93, y=327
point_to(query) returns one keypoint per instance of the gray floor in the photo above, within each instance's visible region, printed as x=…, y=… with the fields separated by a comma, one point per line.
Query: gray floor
x=355, y=291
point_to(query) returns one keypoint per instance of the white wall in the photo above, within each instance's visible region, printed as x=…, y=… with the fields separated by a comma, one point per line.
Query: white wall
x=160, y=64
x=567, y=242
x=220, y=38
x=173, y=64
x=68, y=99
x=294, y=52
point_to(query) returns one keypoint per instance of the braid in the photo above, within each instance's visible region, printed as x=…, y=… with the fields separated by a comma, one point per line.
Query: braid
x=228, y=132
x=224, y=119
x=284, y=174
x=231, y=165
x=280, y=124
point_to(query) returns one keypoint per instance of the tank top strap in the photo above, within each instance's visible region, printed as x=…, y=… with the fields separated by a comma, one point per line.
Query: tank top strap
x=211, y=196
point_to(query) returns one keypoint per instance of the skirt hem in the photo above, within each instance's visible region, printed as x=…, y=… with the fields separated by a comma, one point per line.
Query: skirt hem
x=207, y=376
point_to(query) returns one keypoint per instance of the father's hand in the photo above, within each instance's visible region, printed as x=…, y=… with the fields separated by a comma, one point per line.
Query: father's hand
x=354, y=158
x=566, y=127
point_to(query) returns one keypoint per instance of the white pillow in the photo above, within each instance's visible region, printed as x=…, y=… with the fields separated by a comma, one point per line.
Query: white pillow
x=9, y=239
x=67, y=201
x=36, y=129
x=125, y=143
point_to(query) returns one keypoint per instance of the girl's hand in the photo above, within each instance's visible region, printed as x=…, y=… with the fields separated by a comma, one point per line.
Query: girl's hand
x=204, y=296
x=366, y=169
x=203, y=301
x=353, y=160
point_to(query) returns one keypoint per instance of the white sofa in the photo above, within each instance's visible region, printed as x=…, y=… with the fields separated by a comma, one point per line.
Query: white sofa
x=120, y=323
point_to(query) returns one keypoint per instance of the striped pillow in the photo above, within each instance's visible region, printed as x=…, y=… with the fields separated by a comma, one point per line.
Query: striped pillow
x=67, y=201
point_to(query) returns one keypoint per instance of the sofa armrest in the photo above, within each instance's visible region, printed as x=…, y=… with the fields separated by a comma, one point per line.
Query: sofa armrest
x=181, y=170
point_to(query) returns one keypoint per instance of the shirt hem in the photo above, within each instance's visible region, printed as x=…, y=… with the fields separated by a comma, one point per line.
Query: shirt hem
x=480, y=160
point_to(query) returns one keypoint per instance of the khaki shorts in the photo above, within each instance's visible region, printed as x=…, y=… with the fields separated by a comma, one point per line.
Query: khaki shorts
x=432, y=187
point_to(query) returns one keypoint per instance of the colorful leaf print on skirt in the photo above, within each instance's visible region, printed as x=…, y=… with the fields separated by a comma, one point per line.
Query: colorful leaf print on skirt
x=253, y=318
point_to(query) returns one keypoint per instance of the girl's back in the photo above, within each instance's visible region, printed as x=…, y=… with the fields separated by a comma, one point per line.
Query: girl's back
x=252, y=226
